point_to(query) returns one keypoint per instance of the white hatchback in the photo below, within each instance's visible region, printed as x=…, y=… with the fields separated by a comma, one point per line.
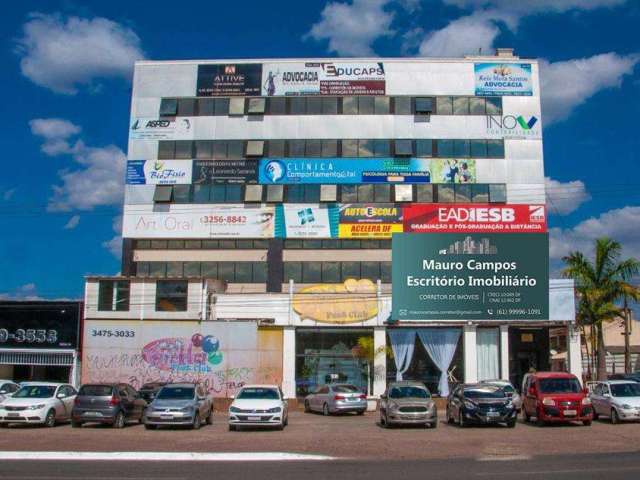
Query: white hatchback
x=257, y=406
x=39, y=402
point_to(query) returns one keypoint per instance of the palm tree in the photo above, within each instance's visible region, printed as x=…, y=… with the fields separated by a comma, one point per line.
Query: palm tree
x=600, y=285
x=366, y=351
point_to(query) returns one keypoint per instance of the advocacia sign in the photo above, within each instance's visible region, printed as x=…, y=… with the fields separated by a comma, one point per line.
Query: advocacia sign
x=482, y=276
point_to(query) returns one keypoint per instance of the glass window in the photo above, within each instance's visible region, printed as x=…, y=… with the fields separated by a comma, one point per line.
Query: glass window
x=424, y=193
x=253, y=193
x=157, y=269
x=204, y=149
x=350, y=270
x=314, y=105
x=226, y=271
x=113, y=295
x=424, y=148
x=163, y=193
x=233, y=194
x=460, y=105
x=220, y=149
x=186, y=107
x=259, y=272
x=201, y=193
x=297, y=105
x=166, y=150
x=142, y=269
x=181, y=193
x=382, y=193
x=295, y=193
x=349, y=148
x=350, y=105
x=275, y=193
x=370, y=270
x=329, y=105
x=311, y=272
x=463, y=193
x=478, y=149
x=222, y=106
x=171, y=295
x=446, y=194
x=192, y=244
x=244, y=272
x=329, y=148
x=365, y=193
x=381, y=105
x=402, y=105
x=217, y=194
x=209, y=269
x=313, y=148
x=381, y=148
x=255, y=148
x=404, y=148
x=461, y=148
x=206, y=107
x=497, y=193
x=365, y=105
x=348, y=194
x=328, y=193
x=168, y=107
x=277, y=105
x=424, y=105
x=479, y=193
x=158, y=244
x=476, y=106
x=175, y=244
x=444, y=105
x=445, y=148
x=184, y=149
x=276, y=148
x=495, y=149
x=236, y=106
x=403, y=193
x=494, y=105
x=174, y=269
x=191, y=269
x=257, y=105
x=296, y=148
x=311, y=193
x=331, y=272
x=365, y=148
x=235, y=149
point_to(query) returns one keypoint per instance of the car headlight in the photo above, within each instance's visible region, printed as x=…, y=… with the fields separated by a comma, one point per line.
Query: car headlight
x=393, y=406
x=627, y=406
x=586, y=401
x=234, y=409
x=37, y=407
x=470, y=405
x=273, y=410
x=186, y=409
x=548, y=401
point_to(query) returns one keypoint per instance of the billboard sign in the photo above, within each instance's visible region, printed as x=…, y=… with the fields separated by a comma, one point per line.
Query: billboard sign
x=503, y=79
x=149, y=128
x=465, y=277
x=299, y=78
x=306, y=221
x=369, y=221
x=474, y=218
x=39, y=325
x=159, y=172
x=225, y=171
x=366, y=170
x=227, y=80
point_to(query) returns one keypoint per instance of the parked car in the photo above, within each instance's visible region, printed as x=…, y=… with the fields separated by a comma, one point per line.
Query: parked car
x=634, y=377
x=114, y=404
x=40, y=403
x=480, y=403
x=556, y=397
x=407, y=403
x=185, y=404
x=509, y=389
x=617, y=399
x=7, y=388
x=148, y=391
x=336, y=398
x=259, y=405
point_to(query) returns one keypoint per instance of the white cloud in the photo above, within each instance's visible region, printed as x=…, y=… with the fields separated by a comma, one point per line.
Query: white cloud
x=26, y=292
x=620, y=224
x=566, y=85
x=97, y=182
x=533, y=6
x=72, y=223
x=564, y=198
x=64, y=53
x=351, y=28
x=115, y=244
x=8, y=194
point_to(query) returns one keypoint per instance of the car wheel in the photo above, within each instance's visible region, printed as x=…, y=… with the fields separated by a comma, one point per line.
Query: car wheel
x=119, y=420
x=232, y=428
x=307, y=407
x=210, y=418
x=595, y=414
x=196, y=422
x=286, y=420
x=450, y=419
x=540, y=421
x=527, y=417
x=433, y=424
x=511, y=423
x=325, y=410
x=586, y=423
x=461, y=421
x=50, y=419
x=150, y=427
x=75, y=424
x=281, y=426
x=360, y=412
x=615, y=418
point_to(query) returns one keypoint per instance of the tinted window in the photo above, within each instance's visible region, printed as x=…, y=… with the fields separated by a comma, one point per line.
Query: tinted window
x=345, y=389
x=484, y=392
x=35, y=391
x=171, y=296
x=408, y=391
x=626, y=390
x=559, y=385
x=176, y=393
x=96, y=390
x=258, y=394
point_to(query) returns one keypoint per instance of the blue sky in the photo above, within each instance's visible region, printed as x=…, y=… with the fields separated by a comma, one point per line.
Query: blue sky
x=66, y=78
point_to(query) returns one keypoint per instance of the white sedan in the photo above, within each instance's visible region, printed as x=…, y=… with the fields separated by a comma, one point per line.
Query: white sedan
x=39, y=402
x=259, y=405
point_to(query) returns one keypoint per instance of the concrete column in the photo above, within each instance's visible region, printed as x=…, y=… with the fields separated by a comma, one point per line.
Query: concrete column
x=379, y=361
x=470, y=354
x=574, y=352
x=504, y=352
x=289, y=362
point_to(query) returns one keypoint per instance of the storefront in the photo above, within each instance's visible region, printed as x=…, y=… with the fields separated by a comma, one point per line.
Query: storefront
x=39, y=341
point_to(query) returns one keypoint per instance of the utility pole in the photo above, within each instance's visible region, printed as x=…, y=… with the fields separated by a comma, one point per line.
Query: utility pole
x=627, y=334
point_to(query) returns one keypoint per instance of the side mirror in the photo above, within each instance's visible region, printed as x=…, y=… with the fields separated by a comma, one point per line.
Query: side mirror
x=61, y=396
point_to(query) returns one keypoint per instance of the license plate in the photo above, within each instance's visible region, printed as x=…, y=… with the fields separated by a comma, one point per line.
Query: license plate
x=12, y=414
x=254, y=419
x=570, y=413
x=166, y=415
x=93, y=414
x=493, y=414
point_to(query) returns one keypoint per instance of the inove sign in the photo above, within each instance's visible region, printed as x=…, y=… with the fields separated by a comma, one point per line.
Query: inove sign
x=514, y=126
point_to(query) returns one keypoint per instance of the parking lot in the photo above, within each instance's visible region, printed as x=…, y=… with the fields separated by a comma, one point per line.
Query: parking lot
x=347, y=437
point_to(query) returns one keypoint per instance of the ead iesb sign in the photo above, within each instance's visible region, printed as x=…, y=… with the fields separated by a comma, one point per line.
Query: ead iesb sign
x=474, y=218
x=470, y=277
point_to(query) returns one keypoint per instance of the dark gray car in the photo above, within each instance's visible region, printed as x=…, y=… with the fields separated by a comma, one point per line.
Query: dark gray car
x=114, y=404
x=186, y=404
x=408, y=403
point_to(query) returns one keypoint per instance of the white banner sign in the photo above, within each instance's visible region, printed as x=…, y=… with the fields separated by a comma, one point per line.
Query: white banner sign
x=159, y=172
x=306, y=221
x=145, y=128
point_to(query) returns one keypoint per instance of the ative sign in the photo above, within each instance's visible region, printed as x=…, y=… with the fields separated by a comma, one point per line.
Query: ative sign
x=514, y=126
x=306, y=221
x=503, y=79
x=225, y=171
x=298, y=78
x=158, y=172
x=377, y=221
x=463, y=277
x=474, y=218
x=366, y=170
x=144, y=128
x=227, y=80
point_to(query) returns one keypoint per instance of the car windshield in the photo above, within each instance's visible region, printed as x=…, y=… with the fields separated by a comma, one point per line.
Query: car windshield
x=484, y=392
x=408, y=391
x=559, y=385
x=626, y=390
x=35, y=391
x=258, y=394
x=96, y=390
x=345, y=389
x=176, y=393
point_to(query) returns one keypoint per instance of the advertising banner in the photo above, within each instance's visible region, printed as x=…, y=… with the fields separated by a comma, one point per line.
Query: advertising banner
x=228, y=80
x=306, y=221
x=368, y=221
x=366, y=170
x=464, y=277
x=474, y=218
x=197, y=221
x=514, y=126
x=503, y=79
x=225, y=171
x=145, y=128
x=159, y=172
x=37, y=325
x=299, y=78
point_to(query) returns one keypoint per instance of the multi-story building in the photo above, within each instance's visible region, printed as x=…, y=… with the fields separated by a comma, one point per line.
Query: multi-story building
x=260, y=202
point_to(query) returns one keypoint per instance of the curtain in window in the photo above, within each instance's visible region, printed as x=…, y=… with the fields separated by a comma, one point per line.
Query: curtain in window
x=440, y=344
x=488, y=352
x=402, y=343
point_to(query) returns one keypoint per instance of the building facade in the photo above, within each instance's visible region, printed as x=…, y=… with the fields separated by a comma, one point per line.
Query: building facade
x=261, y=198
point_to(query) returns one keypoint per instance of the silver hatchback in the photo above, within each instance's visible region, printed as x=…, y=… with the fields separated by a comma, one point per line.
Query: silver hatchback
x=407, y=403
x=336, y=398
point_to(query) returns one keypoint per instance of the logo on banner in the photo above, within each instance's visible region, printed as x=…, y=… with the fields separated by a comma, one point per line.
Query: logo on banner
x=537, y=214
x=274, y=170
x=512, y=126
x=306, y=216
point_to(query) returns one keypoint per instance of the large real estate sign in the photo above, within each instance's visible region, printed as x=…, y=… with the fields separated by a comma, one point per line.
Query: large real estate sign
x=467, y=276
x=503, y=79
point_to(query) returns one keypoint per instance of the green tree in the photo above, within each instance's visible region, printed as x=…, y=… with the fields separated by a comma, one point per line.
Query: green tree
x=366, y=350
x=600, y=285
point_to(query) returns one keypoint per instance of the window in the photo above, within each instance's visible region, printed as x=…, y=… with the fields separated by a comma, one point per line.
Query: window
x=444, y=105
x=495, y=149
x=113, y=296
x=365, y=148
x=461, y=106
x=476, y=106
x=257, y=106
x=311, y=272
x=348, y=194
x=479, y=193
x=168, y=107
x=253, y=193
x=311, y=193
x=381, y=105
x=192, y=269
x=381, y=148
x=497, y=193
x=330, y=105
x=171, y=295
x=365, y=105
x=446, y=194
x=295, y=193
x=402, y=105
x=296, y=148
x=222, y=106
x=181, y=193
x=166, y=150
x=445, y=148
x=461, y=148
x=314, y=105
x=277, y=148
x=330, y=272
x=494, y=105
x=328, y=193
x=424, y=148
x=404, y=193
x=478, y=149
x=201, y=193
x=424, y=193
x=365, y=193
x=350, y=270
x=297, y=106
x=329, y=148
x=463, y=193
x=184, y=149
x=313, y=148
x=243, y=272
x=226, y=194
x=349, y=148
x=206, y=107
x=275, y=193
x=174, y=269
x=277, y=105
x=350, y=105
x=220, y=149
x=186, y=107
x=236, y=106
x=382, y=193
x=404, y=148
x=235, y=149
x=424, y=105
x=157, y=269
x=255, y=148
x=293, y=271
x=204, y=149
x=163, y=193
